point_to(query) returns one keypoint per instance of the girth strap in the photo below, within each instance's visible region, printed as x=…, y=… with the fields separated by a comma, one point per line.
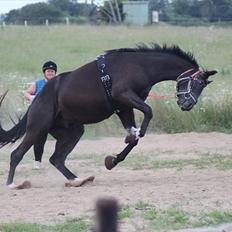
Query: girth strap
x=106, y=80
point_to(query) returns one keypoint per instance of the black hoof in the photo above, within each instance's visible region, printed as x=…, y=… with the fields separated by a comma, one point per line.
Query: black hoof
x=109, y=162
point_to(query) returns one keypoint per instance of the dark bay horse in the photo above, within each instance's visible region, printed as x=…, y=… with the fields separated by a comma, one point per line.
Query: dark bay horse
x=75, y=98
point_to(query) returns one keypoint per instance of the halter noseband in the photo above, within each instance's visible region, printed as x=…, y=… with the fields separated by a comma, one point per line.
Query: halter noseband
x=188, y=93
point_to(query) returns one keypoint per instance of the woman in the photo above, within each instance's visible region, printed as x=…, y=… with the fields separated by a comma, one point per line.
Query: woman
x=49, y=71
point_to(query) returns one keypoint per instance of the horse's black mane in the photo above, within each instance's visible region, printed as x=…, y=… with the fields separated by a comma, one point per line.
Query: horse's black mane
x=174, y=49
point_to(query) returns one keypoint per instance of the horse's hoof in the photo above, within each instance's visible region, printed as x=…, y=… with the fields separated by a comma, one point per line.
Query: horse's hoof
x=109, y=162
x=11, y=186
x=25, y=185
x=78, y=182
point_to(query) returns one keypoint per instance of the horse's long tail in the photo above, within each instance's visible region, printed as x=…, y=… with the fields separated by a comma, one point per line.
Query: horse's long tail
x=15, y=132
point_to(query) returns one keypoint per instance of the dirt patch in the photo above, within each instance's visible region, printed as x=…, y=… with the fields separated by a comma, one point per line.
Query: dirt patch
x=191, y=189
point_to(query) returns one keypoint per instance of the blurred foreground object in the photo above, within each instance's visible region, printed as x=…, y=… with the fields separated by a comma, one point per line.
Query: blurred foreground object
x=106, y=215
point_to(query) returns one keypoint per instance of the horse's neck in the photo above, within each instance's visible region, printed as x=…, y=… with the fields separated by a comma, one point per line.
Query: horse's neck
x=166, y=68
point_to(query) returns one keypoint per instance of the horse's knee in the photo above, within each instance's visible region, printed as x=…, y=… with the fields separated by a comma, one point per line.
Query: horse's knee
x=150, y=114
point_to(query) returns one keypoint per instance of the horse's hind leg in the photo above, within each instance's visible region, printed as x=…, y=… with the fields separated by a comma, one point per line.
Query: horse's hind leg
x=17, y=155
x=67, y=138
x=128, y=120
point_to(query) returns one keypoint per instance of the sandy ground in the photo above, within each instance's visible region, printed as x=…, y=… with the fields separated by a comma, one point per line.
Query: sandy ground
x=192, y=189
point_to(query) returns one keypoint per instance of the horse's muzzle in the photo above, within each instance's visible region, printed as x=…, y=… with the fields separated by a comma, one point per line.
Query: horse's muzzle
x=186, y=109
x=185, y=105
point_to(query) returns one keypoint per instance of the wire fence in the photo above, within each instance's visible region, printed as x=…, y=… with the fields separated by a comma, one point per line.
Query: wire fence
x=68, y=22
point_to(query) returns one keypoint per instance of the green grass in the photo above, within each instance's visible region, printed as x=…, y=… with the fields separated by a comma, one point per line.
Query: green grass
x=150, y=161
x=155, y=219
x=125, y=212
x=205, y=161
x=211, y=114
x=167, y=219
x=176, y=218
x=23, y=50
x=72, y=225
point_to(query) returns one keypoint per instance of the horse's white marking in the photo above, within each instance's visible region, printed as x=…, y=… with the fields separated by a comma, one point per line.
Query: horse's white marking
x=77, y=182
x=12, y=186
x=135, y=131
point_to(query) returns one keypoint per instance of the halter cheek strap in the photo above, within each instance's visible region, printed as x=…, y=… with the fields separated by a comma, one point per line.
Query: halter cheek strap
x=194, y=76
x=182, y=74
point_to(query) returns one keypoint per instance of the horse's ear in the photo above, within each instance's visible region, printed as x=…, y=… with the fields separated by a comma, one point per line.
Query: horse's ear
x=210, y=73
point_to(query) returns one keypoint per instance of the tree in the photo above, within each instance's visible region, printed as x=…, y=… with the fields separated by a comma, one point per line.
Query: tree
x=35, y=13
x=68, y=7
x=182, y=7
x=111, y=12
x=161, y=6
x=13, y=16
x=222, y=10
x=75, y=9
x=212, y=10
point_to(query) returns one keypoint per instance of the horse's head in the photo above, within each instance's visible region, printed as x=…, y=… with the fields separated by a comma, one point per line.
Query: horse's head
x=189, y=87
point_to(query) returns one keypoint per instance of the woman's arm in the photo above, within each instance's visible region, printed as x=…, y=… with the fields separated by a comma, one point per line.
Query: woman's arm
x=30, y=92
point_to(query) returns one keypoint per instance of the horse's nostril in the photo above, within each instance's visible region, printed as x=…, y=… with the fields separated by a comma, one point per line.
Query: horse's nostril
x=185, y=106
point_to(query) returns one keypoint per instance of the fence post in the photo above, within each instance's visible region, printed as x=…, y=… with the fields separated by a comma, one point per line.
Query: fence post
x=3, y=25
x=67, y=21
x=107, y=215
x=46, y=22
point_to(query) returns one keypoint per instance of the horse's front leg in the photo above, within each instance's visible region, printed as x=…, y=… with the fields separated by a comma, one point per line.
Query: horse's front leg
x=132, y=100
x=112, y=161
x=127, y=118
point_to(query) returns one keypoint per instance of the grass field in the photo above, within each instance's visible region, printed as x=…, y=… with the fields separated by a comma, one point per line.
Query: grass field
x=24, y=49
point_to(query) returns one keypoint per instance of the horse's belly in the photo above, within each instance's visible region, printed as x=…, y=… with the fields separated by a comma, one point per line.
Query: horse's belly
x=93, y=118
x=86, y=115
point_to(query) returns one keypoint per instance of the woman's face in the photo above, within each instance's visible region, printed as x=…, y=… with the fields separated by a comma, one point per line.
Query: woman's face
x=49, y=74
